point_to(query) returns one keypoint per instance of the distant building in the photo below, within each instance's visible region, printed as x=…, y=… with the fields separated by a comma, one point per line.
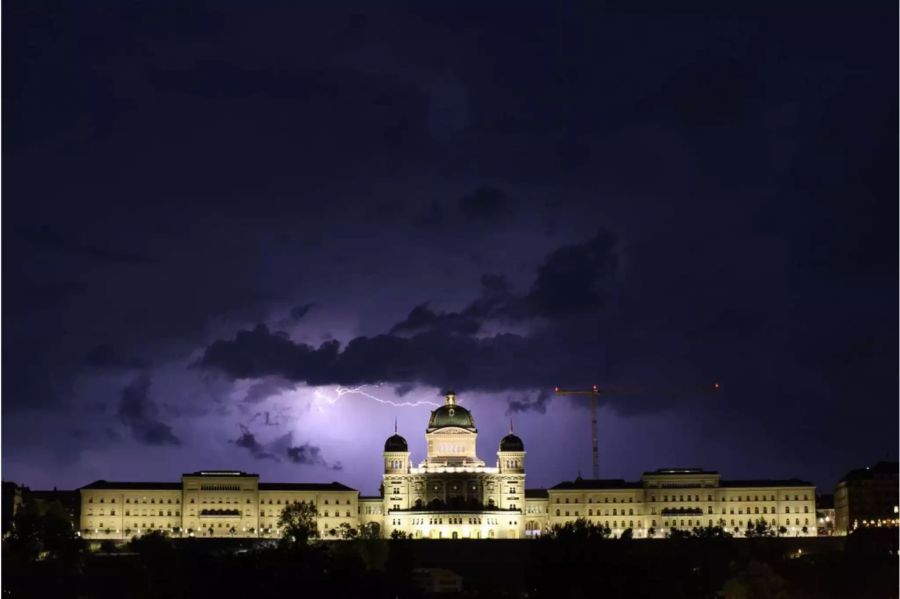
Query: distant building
x=825, y=514
x=451, y=494
x=867, y=497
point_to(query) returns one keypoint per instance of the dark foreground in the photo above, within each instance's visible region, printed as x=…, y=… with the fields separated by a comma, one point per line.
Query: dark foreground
x=859, y=566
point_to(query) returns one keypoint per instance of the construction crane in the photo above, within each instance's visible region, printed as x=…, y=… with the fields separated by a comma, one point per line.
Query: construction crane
x=594, y=394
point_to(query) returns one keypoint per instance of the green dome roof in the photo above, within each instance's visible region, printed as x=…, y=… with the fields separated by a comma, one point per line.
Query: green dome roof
x=396, y=443
x=511, y=443
x=451, y=414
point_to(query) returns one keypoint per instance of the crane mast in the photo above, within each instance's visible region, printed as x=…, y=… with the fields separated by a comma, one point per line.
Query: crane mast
x=594, y=394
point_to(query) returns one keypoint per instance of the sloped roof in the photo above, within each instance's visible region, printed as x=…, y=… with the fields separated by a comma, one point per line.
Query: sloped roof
x=133, y=486
x=332, y=486
x=596, y=483
x=536, y=494
x=791, y=482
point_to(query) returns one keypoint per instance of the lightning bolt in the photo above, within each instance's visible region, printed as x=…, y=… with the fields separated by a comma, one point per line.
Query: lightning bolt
x=342, y=391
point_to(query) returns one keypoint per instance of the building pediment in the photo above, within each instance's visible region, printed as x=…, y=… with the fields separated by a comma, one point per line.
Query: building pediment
x=451, y=430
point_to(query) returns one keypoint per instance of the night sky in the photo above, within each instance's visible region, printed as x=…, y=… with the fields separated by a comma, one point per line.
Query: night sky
x=216, y=214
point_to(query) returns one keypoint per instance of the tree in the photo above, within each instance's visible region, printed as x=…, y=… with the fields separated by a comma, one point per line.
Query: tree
x=370, y=530
x=399, y=534
x=155, y=548
x=298, y=523
x=48, y=532
x=626, y=535
x=782, y=530
x=760, y=528
x=677, y=533
x=651, y=532
x=348, y=532
x=580, y=529
x=711, y=532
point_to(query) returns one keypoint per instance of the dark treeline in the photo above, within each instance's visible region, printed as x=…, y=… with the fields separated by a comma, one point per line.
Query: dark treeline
x=43, y=557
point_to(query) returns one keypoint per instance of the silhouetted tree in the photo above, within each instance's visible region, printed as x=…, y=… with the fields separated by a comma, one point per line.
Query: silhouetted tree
x=760, y=528
x=48, y=532
x=370, y=530
x=298, y=523
x=678, y=533
x=581, y=529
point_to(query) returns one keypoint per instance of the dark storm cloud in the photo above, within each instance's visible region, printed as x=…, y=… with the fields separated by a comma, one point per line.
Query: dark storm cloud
x=48, y=239
x=575, y=278
x=443, y=349
x=310, y=455
x=298, y=312
x=528, y=402
x=248, y=441
x=712, y=90
x=138, y=412
x=421, y=318
x=106, y=355
x=485, y=204
x=215, y=165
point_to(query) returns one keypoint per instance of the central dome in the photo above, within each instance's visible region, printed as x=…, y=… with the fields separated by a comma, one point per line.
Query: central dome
x=451, y=414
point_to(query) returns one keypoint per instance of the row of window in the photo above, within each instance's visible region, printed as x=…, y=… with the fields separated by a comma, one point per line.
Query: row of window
x=682, y=498
x=739, y=498
x=128, y=513
x=605, y=500
x=128, y=500
x=324, y=514
x=212, y=501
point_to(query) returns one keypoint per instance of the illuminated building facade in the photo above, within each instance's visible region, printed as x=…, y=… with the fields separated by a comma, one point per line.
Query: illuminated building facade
x=684, y=499
x=451, y=494
x=209, y=504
